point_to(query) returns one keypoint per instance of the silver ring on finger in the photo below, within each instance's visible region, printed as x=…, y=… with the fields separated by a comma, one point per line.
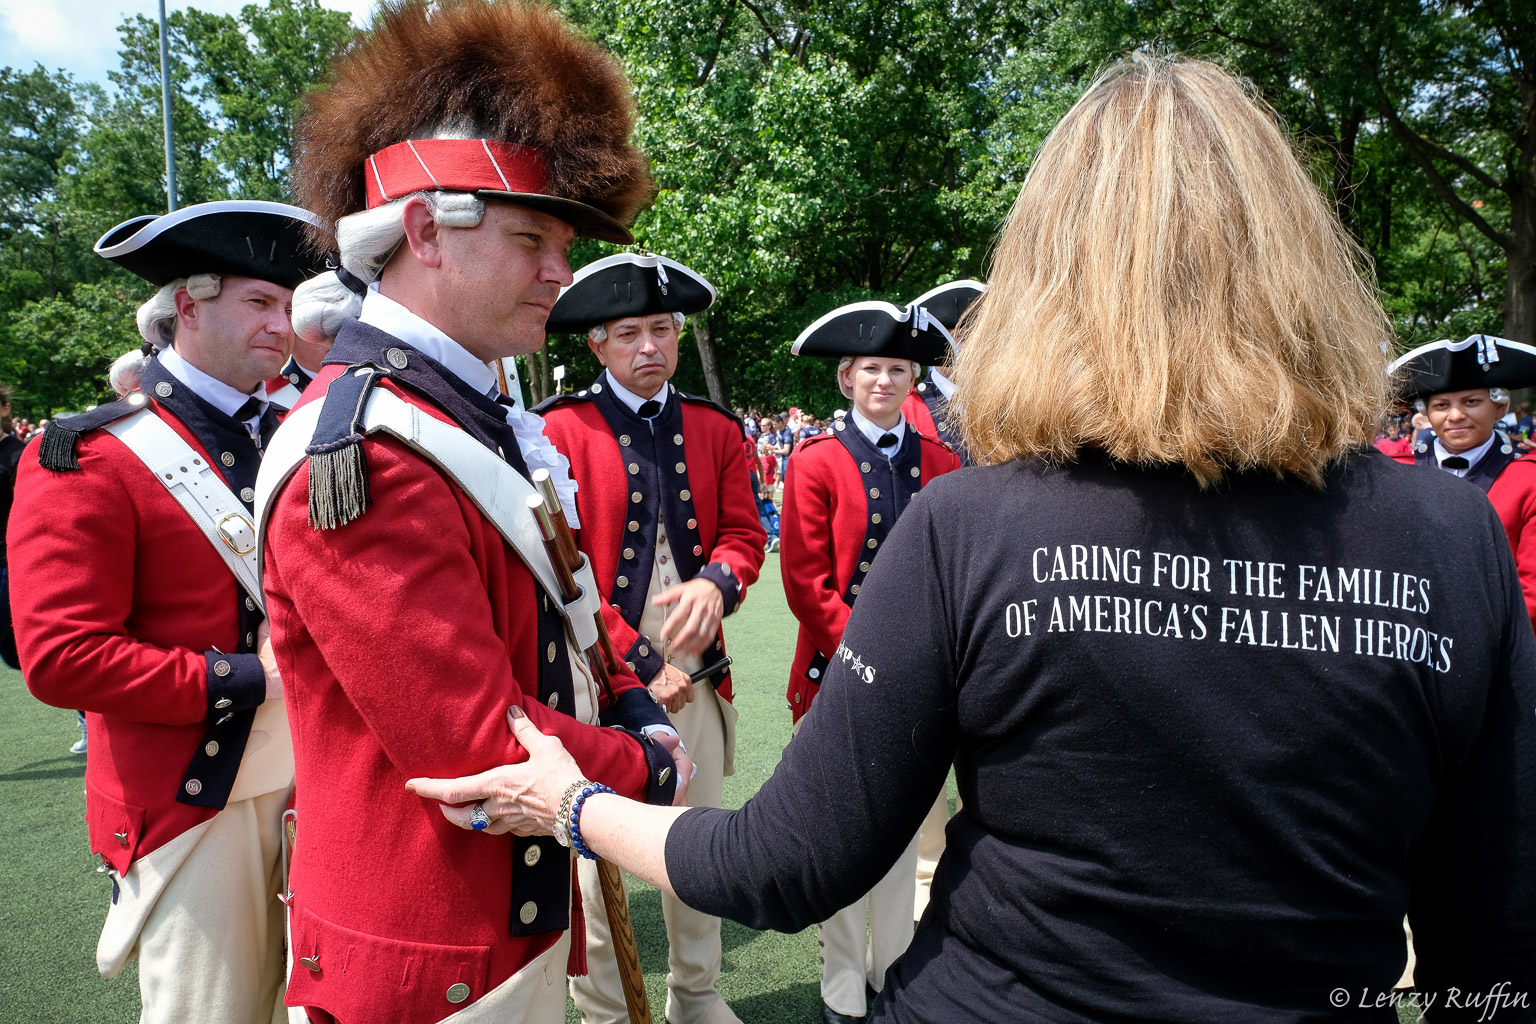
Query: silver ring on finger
x=478, y=819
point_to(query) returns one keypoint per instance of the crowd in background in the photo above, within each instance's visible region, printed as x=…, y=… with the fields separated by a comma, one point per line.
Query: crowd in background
x=776, y=435
x=1406, y=427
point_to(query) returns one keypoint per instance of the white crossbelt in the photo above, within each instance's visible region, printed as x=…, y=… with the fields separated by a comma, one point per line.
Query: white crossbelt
x=199, y=490
x=498, y=491
x=285, y=397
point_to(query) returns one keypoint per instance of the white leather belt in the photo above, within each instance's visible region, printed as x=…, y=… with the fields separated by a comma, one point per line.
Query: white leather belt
x=498, y=491
x=285, y=397
x=200, y=491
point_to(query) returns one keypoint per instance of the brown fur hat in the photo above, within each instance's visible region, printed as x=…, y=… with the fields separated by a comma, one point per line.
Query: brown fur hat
x=508, y=71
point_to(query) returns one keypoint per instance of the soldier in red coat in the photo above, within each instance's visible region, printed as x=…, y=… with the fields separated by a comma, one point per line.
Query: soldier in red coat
x=133, y=603
x=1462, y=387
x=927, y=407
x=671, y=526
x=409, y=611
x=843, y=491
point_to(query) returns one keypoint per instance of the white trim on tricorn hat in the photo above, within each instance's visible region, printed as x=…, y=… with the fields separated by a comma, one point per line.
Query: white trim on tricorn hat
x=876, y=329
x=1478, y=361
x=246, y=237
x=947, y=303
x=629, y=284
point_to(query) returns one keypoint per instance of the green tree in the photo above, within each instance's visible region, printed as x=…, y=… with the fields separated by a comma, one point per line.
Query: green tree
x=806, y=154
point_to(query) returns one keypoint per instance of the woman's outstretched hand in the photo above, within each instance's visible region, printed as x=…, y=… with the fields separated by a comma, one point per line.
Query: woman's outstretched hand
x=517, y=798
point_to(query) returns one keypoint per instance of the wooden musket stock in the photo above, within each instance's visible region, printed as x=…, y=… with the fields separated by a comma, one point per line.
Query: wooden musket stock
x=560, y=543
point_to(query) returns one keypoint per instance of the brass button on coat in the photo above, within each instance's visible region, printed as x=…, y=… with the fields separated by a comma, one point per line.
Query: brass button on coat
x=396, y=358
x=247, y=494
x=250, y=605
x=549, y=652
x=228, y=458
x=698, y=550
x=864, y=466
x=622, y=581
x=645, y=652
x=193, y=787
x=693, y=524
x=677, y=438
x=222, y=703
x=854, y=589
x=532, y=854
x=163, y=389
x=636, y=497
x=686, y=495
x=873, y=543
x=681, y=467
x=211, y=748
x=527, y=912
x=633, y=526
x=629, y=553
x=458, y=992
x=875, y=518
x=874, y=492
x=121, y=837
x=916, y=472
x=554, y=700
x=634, y=467
x=310, y=963
x=221, y=668
x=863, y=567
x=624, y=440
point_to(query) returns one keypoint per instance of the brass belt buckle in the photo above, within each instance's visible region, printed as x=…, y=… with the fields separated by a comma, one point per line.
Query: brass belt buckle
x=231, y=537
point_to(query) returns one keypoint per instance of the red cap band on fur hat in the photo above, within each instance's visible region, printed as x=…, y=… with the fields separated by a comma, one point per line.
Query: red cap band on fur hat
x=453, y=165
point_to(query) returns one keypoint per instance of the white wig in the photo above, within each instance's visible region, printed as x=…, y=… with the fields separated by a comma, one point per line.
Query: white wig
x=367, y=240
x=599, y=334
x=157, y=325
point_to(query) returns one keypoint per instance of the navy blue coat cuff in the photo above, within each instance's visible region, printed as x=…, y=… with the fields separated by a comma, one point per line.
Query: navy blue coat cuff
x=644, y=658
x=632, y=712
x=720, y=575
x=236, y=682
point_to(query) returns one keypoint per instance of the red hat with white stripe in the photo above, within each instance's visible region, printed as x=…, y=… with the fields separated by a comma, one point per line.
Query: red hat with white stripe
x=500, y=99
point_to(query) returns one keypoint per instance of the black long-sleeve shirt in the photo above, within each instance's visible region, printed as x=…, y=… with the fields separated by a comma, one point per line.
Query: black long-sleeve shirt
x=1212, y=745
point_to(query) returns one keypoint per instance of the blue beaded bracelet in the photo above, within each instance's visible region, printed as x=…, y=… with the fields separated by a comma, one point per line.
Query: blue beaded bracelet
x=575, y=824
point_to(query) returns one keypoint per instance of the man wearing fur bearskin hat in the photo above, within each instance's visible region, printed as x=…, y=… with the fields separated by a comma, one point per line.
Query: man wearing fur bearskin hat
x=132, y=554
x=459, y=148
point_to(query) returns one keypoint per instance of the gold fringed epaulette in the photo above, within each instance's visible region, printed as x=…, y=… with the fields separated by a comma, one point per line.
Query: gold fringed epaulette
x=338, y=469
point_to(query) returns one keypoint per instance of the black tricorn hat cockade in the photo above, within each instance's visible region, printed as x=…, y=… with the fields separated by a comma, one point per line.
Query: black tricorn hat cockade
x=948, y=302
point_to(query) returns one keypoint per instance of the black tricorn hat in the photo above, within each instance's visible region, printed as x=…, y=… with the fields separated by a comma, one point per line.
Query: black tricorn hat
x=247, y=237
x=1480, y=361
x=876, y=329
x=948, y=302
x=628, y=284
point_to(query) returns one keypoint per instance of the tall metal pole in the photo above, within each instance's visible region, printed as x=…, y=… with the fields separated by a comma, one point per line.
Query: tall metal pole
x=165, y=103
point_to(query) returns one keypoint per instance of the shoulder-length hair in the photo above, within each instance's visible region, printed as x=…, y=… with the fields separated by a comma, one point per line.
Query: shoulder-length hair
x=1170, y=287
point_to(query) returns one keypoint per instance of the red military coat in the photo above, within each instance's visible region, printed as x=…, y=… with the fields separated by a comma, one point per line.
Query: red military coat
x=1514, y=498
x=714, y=531
x=1510, y=483
x=829, y=521
x=120, y=603
x=403, y=637
x=918, y=417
